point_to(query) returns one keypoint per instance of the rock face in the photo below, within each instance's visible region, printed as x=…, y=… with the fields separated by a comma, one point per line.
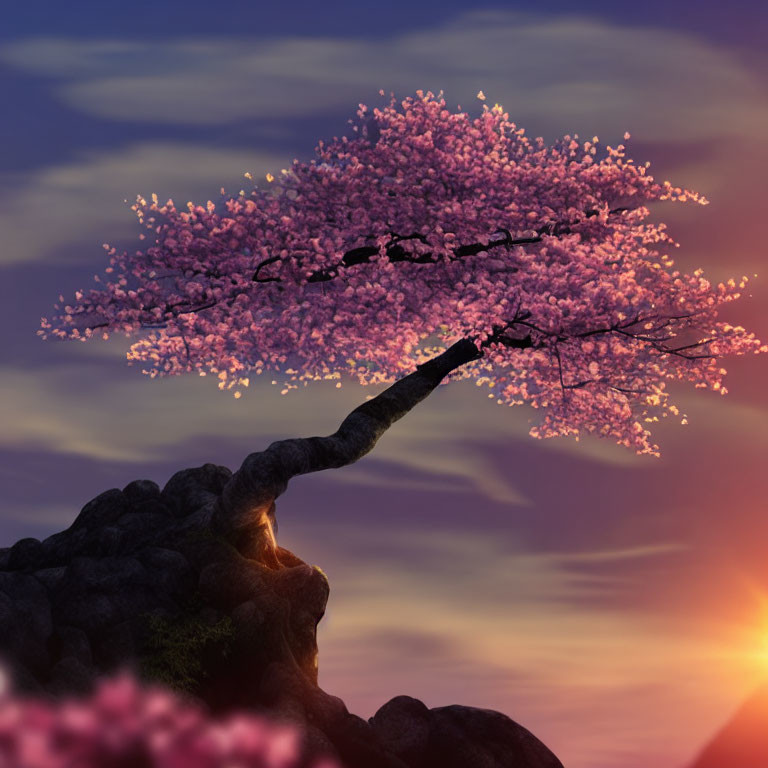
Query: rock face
x=143, y=579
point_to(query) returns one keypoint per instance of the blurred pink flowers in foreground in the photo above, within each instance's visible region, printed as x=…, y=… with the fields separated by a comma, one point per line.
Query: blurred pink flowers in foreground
x=123, y=724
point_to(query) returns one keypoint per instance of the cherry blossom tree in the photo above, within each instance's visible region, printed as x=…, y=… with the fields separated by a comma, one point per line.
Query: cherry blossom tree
x=427, y=246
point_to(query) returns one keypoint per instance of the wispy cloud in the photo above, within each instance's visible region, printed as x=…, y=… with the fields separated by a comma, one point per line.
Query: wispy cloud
x=78, y=414
x=70, y=412
x=560, y=74
x=82, y=200
x=432, y=470
x=619, y=555
x=468, y=616
x=111, y=412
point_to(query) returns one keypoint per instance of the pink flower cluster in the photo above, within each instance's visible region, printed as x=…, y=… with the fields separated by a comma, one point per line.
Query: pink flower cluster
x=123, y=724
x=424, y=227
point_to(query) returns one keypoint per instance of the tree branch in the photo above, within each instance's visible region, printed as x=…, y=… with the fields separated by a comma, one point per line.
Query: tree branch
x=363, y=254
x=396, y=253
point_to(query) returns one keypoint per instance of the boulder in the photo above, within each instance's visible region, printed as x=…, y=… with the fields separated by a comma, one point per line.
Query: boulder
x=456, y=737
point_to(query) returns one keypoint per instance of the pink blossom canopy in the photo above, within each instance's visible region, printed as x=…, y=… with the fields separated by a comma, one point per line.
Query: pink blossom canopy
x=425, y=227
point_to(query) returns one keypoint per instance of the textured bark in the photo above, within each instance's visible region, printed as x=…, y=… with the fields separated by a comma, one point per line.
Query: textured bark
x=247, y=501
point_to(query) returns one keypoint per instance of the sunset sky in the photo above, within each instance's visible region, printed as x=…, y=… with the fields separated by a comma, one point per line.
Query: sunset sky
x=615, y=605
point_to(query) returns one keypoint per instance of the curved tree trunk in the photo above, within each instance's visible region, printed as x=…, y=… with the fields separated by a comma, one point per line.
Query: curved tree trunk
x=247, y=500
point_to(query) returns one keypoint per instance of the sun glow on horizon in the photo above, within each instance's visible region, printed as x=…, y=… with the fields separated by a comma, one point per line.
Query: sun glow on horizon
x=755, y=637
x=761, y=653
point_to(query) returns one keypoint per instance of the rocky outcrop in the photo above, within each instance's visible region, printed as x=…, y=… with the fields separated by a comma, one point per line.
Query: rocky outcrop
x=456, y=737
x=146, y=578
